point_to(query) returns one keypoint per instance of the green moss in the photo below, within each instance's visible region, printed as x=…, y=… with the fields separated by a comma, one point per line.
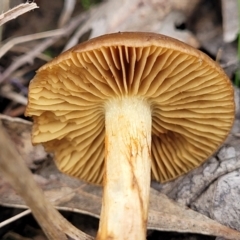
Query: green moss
x=89, y=3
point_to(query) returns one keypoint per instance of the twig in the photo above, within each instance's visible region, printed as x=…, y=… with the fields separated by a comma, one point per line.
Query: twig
x=8, y=93
x=15, y=171
x=102, y=21
x=30, y=56
x=236, y=135
x=14, y=218
x=229, y=63
x=4, y=6
x=17, y=11
x=93, y=14
x=66, y=12
x=24, y=49
x=16, y=236
x=11, y=43
x=14, y=112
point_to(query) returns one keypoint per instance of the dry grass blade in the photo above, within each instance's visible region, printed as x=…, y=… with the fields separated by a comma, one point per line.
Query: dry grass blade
x=16, y=11
x=29, y=56
x=66, y=13
x=14, y=170
x=7, y=92
x=11, y=43
x=12, y=219
x=93, y=13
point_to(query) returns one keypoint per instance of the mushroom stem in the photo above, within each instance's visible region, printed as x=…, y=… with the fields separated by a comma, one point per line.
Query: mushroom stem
x=127, y=170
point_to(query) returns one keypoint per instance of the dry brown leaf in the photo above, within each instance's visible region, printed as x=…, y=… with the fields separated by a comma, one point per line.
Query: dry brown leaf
x=70, y=194
x=138, y=15
x=15, y=171
x=20, y=132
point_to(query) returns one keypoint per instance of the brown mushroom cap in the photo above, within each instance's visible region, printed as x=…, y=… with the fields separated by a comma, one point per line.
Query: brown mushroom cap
x=190, y=96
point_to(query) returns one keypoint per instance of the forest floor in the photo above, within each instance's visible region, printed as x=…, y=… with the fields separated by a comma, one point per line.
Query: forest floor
x=207, y=25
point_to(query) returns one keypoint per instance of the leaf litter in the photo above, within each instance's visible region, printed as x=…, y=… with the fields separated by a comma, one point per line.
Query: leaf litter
x=70, y=194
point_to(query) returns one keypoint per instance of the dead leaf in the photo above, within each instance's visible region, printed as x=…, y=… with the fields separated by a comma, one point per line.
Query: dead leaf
x=136, y=15
x=15, y=171
x=167, y=215
x=71, y=194
x=20, y=132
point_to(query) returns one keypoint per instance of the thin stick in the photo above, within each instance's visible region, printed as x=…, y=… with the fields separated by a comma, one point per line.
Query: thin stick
x=17, y=11
x=16, y=217
x=4, y=6
x=66, y=13
x=16, y=97
x=24, y=49
x=29, y=56
x=93, y=13
x=15, y=171
x=11, y=43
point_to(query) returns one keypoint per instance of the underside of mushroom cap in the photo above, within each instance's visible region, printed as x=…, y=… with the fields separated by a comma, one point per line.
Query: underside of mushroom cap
x=191, y=100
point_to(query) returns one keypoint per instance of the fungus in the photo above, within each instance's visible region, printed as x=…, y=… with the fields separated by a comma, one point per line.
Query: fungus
x=125, y=108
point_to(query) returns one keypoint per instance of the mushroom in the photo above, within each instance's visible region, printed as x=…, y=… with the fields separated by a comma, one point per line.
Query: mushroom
x=125, y=108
